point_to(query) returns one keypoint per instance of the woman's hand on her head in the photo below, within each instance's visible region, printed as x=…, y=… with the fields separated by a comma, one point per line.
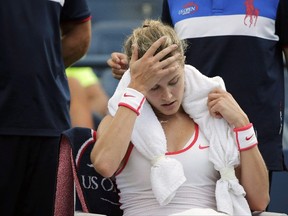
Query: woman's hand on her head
x=118, y=63
x=221, y=104
x=147, y=71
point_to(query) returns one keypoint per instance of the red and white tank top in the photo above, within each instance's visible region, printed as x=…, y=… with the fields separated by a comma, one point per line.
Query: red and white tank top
x=136, y=195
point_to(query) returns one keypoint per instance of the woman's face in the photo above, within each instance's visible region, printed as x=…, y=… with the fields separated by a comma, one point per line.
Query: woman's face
x=166, y=96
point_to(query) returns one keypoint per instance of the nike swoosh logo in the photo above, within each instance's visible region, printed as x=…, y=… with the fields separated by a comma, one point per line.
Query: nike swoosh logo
x=248, y=138
x=128, y=95
x=203, y=147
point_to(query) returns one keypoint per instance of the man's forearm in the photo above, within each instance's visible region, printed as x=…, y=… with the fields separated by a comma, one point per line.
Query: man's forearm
x=75, y=41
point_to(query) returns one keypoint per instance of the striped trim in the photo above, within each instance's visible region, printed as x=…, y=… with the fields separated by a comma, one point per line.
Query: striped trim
x=84, y=146
x=61, y=2
x=229, y=25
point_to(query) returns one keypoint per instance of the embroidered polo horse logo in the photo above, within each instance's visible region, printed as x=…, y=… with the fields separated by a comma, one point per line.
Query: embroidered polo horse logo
x=252, y=13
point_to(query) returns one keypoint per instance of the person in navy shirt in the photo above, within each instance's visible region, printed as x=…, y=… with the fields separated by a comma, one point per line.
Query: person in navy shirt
x=39, y=38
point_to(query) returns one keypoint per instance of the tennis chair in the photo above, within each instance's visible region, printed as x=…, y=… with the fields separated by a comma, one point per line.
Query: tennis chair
x=95, y=195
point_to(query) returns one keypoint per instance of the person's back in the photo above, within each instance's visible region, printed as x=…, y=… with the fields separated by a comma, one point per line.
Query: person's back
x=39, y=38
x=34, y=91
x=242, y=42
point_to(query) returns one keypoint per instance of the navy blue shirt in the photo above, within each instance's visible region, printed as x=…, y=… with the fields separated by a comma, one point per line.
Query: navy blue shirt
x=34, y=93
x=241, y=41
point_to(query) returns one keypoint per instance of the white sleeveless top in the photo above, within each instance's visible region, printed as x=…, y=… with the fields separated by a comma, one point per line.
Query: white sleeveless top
x=136, y=195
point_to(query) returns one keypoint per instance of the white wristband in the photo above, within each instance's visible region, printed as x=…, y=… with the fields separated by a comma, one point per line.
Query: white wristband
x=245, y=137
x=132, y=99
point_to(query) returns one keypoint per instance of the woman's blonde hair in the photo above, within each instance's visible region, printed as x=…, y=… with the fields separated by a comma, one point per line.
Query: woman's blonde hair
x=151, y=30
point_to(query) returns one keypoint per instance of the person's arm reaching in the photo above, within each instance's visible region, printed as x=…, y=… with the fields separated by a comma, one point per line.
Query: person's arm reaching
x=76, y=38
x=118, y=63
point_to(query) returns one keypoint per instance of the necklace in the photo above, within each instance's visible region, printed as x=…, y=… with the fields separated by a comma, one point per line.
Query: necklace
x=163, y=121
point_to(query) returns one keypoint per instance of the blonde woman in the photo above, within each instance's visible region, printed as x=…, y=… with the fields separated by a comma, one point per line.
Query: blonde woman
x=149, y=113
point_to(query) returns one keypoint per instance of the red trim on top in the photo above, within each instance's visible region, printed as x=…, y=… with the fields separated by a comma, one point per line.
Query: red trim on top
x=125, y=159
x=78, y=21
x=86, y=19
x=189, y=146
x=131, y=146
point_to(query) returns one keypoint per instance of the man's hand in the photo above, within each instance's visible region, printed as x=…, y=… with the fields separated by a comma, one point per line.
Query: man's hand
x=118, y=63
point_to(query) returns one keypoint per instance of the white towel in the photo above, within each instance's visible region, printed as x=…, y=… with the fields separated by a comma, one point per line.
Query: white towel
x=223, y=152
x=199, y=212
x=149, y=139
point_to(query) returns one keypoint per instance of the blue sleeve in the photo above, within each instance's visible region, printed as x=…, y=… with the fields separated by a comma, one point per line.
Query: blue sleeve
x=75, y=10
